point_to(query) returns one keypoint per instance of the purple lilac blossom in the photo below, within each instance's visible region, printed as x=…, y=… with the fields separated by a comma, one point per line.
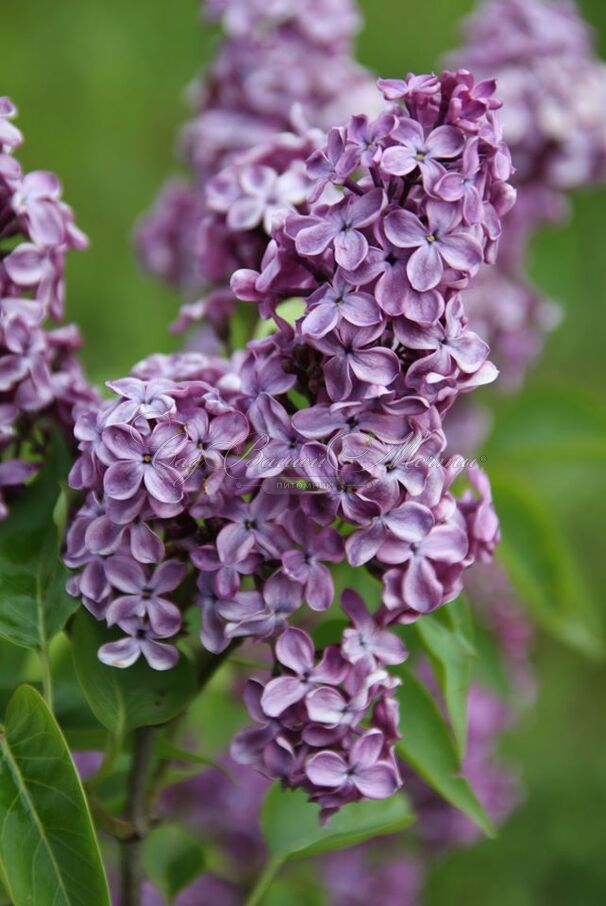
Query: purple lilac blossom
x=278, y=75
x=41, y=382
x=553, y=87
x=208, y=471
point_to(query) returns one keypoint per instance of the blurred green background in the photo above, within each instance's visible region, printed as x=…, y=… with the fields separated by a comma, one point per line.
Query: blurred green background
x=100, y=87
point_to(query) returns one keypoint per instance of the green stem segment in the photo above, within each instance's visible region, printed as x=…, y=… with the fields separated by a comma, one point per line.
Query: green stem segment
x=264, y=882
x=47, y=679
x=136, y=813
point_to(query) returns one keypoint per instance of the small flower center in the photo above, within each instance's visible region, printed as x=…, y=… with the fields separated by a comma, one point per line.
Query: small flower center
x=431, y=237
x=147, y=458
x=250, y=524
x=420, y=155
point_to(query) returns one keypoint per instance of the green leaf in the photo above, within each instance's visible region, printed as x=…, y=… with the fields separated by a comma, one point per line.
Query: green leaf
x=292, y=829
x=48, y=849
x=125, y=699
x=428, y=747
x=551, y=424
x=452, y=659
x=538, y=560
x=172, y=859
x=34, y=605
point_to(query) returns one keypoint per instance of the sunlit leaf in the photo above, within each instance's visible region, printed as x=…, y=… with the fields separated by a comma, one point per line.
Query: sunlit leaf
x=48, y=849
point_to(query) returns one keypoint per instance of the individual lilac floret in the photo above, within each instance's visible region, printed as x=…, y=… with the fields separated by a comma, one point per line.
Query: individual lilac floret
x=41, y=381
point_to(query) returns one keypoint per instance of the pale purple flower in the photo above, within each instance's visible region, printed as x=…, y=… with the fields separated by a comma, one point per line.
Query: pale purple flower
x=340, y=226
x=440, y=242
x=336, y=301
x=146, y=460
x=143, y=594
x=417, y=150
x=306, y=567
x=295, y=651
x=364, y=769
x=366, y=640
x=141, y=640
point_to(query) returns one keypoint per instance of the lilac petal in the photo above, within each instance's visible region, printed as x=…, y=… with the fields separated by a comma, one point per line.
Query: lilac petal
x=103, y=535
x=469, y=351
x=425, y=267
x=281, y=693
x=377, y=782
x=411, y=522
x=325, y=706
x=361, y=309
x=234, y=542
x=125, y=574
x=422, y=591
x=248, y=744
x=404, y=229
x=253, y=690
x=445, y=543
x=356, y=610
x=375, y=366
x=295, y=650
x=425, y=308
x=460, y=251
x=124, y=442
x=124, y=608
x=332, y=669
x=212, y=633
x=351, y=247
x=320, y=588
x=315, y=239
x=163, y=482
x=158, y=655
x=123, y=653
x=320, y=320
x=167, y=576
x=326, y=769
x=389, y=648
x=164, y=617
x=367, y=749
x=93, y=581
x=365, y=209
x=398, y=160
x=245, y=214
x=362, y=545
x=123, y=479
x=145, y=545
x=445, y=141
x=281, y=593
x=228, y=431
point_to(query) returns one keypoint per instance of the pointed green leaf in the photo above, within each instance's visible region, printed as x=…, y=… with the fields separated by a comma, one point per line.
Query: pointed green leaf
x=292, y=829
x=452, y=659
x=34, y=605
x=124, y=699
x=48, y=849
x=538, y=560
x=428, y=747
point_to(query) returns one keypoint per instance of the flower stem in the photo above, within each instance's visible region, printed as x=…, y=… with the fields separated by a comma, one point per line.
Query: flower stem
x=264, y=882
x=47, y=679
x=136, y=813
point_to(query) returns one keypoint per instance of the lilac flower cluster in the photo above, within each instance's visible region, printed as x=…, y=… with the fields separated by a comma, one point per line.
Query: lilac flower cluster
x=320, y=443
x=281, y=67
x=329, y=727
x=554, y=91
x=41, y=382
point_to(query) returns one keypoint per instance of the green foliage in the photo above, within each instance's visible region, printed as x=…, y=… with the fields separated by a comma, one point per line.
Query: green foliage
x=452, y=658
x=292, y=829
x=539, y=562
x=125, y=699
x=549, y=424
x=428, y=747
x=34, y=605
x=48, y=850
x=172, y=859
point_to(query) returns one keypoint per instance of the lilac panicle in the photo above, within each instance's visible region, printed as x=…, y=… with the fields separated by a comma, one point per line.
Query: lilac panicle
x=553, y=86
x=248, y=477
x=41, y=382
x=282, y=70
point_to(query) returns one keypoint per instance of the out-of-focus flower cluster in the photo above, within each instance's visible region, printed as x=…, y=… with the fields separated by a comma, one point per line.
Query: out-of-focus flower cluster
x=281, y=68
x=553, y=88
x=41, y=382
x=320, y=443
